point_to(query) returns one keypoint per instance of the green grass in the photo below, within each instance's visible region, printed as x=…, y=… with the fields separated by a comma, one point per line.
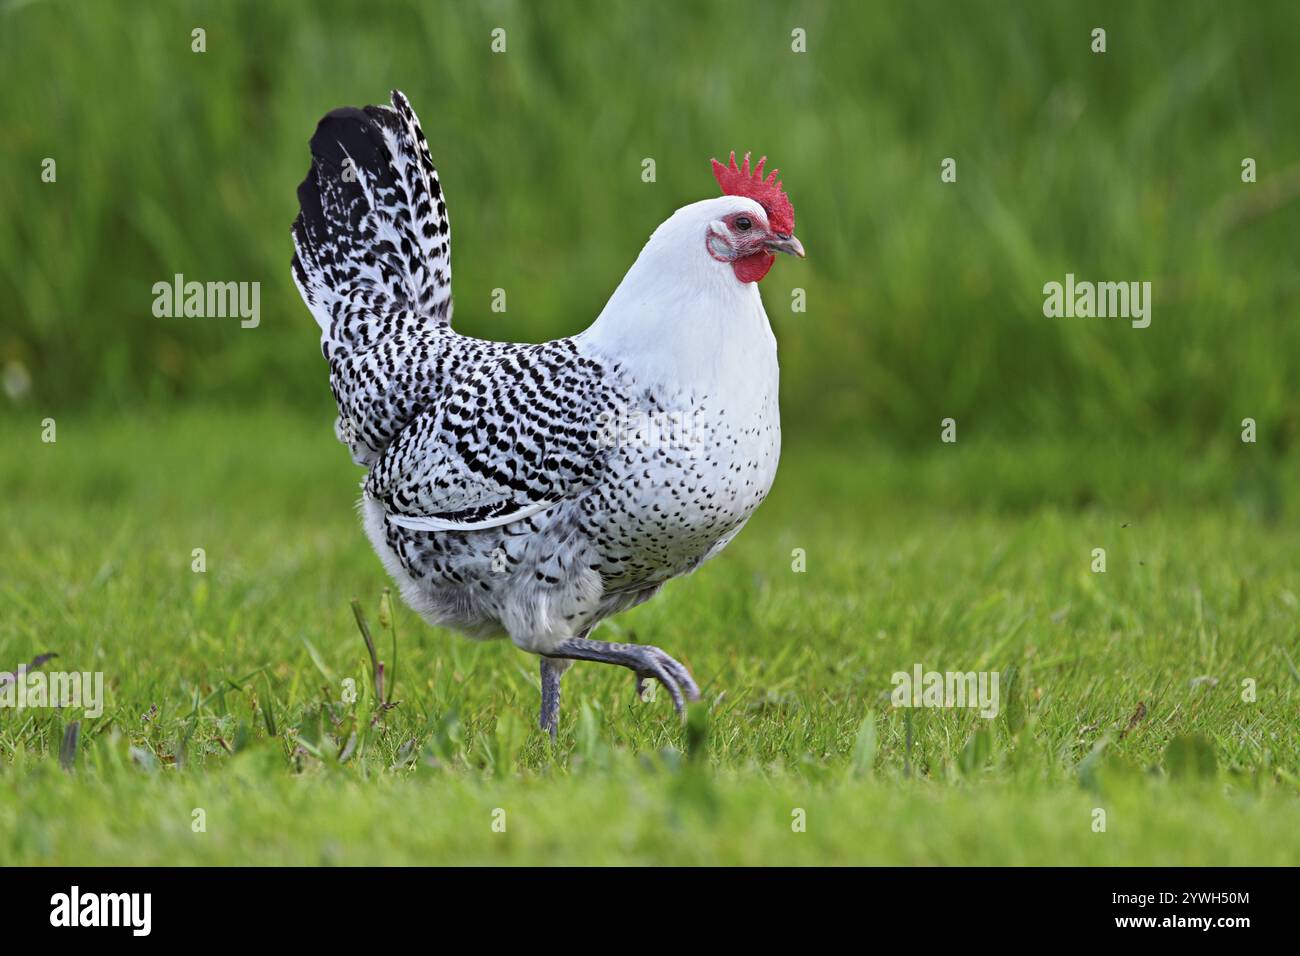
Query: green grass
x=939, y=558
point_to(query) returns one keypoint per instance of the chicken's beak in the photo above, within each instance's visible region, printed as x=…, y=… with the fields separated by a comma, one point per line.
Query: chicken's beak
x=790, y=245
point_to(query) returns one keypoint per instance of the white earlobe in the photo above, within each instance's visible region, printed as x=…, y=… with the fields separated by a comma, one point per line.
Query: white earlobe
x=719, y=243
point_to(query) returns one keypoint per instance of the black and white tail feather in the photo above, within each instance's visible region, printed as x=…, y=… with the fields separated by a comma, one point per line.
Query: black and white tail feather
x=425, y=409
x=372, y=237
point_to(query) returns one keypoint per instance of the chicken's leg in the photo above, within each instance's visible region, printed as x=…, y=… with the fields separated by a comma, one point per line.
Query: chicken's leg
x=552, y=671
x=646, y=661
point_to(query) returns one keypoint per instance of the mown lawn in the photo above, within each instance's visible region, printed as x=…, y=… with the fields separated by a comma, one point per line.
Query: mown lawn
x=1121, y=692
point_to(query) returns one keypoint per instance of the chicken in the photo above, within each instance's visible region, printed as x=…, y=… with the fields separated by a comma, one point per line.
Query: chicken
x=533, y=490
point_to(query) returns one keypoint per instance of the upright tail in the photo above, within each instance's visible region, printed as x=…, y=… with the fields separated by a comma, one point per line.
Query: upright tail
x=372, y=236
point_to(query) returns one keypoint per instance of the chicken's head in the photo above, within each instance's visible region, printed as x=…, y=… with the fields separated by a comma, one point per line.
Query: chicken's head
x=747, y=238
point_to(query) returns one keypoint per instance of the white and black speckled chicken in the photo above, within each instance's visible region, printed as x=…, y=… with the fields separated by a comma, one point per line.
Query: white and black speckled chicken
x=534, y=490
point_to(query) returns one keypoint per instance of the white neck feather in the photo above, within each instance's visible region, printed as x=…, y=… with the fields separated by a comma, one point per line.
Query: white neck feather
x=681, y=318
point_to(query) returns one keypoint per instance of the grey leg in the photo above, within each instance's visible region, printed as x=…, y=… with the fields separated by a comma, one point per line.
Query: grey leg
x=552, y=671
x=648, y=663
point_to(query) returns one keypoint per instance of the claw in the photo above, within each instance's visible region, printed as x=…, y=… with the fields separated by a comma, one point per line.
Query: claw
x=647, y=662
x=672, y=675
x=670, y=683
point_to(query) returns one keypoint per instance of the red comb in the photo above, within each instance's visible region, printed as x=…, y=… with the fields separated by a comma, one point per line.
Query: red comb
x=738, y=181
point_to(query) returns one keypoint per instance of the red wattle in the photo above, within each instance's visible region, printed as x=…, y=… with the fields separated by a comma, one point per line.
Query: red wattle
x=752, y=268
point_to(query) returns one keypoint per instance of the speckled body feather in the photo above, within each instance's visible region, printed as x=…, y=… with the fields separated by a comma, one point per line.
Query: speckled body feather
x=518, y=489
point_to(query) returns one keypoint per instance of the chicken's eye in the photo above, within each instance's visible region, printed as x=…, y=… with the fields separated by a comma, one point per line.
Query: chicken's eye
x=744, y=224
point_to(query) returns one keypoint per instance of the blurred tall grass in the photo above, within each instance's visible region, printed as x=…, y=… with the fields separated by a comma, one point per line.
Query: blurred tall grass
x=924, y=299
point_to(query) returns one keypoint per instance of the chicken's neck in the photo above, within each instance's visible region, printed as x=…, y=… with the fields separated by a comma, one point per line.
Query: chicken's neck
x=680, y=320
